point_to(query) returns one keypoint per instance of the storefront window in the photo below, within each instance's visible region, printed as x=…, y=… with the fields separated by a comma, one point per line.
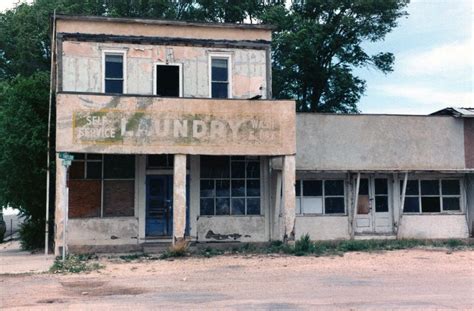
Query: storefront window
x=432, y=195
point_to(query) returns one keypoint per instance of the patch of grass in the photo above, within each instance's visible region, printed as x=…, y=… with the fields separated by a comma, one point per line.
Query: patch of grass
x=74, y=264
x=209, y=252
x=131, y=257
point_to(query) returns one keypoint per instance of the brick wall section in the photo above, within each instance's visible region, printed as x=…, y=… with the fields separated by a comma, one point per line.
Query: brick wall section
x=469, y=142
x=84, y=198
x=119, y=198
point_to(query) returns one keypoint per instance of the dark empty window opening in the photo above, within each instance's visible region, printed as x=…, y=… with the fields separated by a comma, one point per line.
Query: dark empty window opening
x=167, y=80
x=114, y=73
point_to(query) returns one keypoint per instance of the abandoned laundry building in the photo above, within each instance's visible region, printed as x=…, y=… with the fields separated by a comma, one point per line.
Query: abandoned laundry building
x=175, y=136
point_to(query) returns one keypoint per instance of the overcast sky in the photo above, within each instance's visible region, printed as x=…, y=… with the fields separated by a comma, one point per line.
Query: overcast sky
x=434, y=54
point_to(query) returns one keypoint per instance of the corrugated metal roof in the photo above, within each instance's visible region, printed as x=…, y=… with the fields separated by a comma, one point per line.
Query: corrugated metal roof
x=460, y=112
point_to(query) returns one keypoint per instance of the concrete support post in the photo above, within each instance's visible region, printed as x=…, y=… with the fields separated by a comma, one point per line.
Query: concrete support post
x=59, y=206
x=289, y=212
x=179, y=197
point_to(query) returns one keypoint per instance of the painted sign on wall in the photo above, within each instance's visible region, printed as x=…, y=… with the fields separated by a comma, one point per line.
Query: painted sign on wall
x=152, y=125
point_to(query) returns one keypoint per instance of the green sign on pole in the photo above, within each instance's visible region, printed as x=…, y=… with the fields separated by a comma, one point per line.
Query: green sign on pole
x=66, y=156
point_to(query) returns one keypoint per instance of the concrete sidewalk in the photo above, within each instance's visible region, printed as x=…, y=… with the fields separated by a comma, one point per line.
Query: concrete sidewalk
x=15, y=261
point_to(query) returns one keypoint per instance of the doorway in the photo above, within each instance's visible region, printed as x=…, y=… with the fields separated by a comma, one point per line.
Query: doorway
x=159, y=206
x=374, y=210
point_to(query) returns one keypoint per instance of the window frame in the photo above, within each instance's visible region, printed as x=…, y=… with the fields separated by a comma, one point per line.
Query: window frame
x=155, y=77
x=102, y=181
x=230, y=179
x=124, y=64
x=440, y=196
x=323, y=197
x=221, y=55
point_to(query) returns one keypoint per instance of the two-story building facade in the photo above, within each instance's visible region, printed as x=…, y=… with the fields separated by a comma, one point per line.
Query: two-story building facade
x=175, y=136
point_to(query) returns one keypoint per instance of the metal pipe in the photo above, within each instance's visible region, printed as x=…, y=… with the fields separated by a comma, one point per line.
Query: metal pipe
x=48, y=168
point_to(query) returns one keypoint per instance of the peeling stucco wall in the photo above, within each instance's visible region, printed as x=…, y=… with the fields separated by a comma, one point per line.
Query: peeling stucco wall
x=82, y=67
x=231, y=229
x=103, y=231
x=433, y=227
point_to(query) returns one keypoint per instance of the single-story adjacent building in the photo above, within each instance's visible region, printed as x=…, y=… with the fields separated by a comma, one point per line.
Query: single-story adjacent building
x=175, y=136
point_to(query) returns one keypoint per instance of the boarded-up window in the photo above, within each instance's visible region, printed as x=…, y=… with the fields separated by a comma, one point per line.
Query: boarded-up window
x=119, y=198
x=84, y=198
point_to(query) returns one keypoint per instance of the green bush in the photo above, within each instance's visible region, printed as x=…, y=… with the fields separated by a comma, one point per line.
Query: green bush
x=32, y=234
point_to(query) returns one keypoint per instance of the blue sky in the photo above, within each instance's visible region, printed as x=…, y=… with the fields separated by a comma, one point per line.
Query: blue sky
x=434, y=61
x=434, y=52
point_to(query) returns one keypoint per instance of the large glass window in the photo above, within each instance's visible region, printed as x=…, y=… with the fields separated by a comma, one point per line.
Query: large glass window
x=432, y=195
x=114, y=73
x=320, y=197
x=220, y=77
x=101, y=185
x=230, y=185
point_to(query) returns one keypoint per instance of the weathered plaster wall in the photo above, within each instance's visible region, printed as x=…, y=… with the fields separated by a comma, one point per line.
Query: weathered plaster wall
x=469, y=141
x=433, y=227
x=229, y=229
x=323, y=227
x=103, y=231
x=371, y=142
x=82, y=68
x=156, y=28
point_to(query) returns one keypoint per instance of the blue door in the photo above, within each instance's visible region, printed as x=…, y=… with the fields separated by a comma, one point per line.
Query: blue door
x=159, y=205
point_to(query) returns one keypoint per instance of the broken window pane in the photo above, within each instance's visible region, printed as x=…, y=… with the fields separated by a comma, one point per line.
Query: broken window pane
x=333, y=187
x=430, y=205
x=412, y=205
x=238, y=206
x=451, y=204
x=253, y=206
x=313, y=188
x=334, y=206
x=312, y=205
x=222, y=206
x=430, y=187
x=207, y=207
x=451, y=187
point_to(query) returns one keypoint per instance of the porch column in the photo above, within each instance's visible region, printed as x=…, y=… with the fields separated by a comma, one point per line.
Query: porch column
x=289, y=212
x=60, y=201
x=179, y=197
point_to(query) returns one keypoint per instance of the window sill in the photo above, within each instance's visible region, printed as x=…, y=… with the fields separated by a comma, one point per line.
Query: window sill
x=321, y=215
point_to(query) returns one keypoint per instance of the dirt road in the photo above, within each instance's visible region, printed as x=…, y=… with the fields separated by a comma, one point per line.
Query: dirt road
x=409, y=279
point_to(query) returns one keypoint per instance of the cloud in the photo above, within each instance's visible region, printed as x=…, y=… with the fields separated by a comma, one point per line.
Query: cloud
x=442, y=59
x=426, y=95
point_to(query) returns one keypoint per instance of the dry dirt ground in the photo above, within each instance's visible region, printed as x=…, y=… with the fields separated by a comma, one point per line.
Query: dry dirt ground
x=407, y=279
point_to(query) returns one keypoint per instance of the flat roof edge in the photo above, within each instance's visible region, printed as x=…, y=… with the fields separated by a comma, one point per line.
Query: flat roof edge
x=163, y=22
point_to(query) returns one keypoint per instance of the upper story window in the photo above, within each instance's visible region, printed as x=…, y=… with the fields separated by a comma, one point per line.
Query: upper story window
x=432, y=195
x=168, y=80
x=220, y=86
x=114, y=72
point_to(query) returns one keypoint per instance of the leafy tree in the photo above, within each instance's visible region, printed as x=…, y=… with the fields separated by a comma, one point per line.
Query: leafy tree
x=318, y=43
